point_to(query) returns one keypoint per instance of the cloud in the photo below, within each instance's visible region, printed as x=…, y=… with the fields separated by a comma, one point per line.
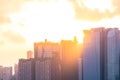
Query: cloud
x=116, y=5
x=84, y=13
x=14, y=37
x=1, y=42
x=7, y=7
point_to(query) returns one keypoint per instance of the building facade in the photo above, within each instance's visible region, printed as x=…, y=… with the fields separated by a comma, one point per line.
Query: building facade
x=47, y=69
x=70, y=55
x=47, y=61
x=7, y=73
x=1, y=72
x=26, y=69
x=16, y=71
x=46, y=48
x=113, y=54
x=80, y=68
x=94, y=54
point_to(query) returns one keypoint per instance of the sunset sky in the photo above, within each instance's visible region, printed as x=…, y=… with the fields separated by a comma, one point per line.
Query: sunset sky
x=23, y=22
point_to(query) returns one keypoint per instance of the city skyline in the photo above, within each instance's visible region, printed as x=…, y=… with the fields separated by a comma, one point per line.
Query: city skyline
x=23, y=22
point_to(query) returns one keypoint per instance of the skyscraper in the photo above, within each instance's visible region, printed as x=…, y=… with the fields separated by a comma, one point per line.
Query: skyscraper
x=94, y=54
x=7, y=73
x=46, y=48
x=47, y=61
x=80, y=68
x=1, y=72
x=113, y=54
x=26, y=69
x=16, y=71
x=70, y=54
x=47, y=69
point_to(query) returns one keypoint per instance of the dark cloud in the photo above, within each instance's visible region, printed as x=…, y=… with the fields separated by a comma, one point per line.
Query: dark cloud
x=84, y=13
x=14, y=37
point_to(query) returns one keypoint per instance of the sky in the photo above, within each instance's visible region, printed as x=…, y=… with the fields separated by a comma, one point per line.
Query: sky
x=23, y=22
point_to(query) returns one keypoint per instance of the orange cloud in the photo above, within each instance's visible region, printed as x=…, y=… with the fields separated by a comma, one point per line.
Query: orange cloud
x=85, y=13
x=14, y=37
x=116, y=4
x=7, y=7
x=1, y=42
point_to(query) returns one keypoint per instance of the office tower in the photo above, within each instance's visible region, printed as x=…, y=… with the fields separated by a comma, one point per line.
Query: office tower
x=94, y=54
x=70, y=54
x=7, y=73
x=47, y=69
x=16, y=71
x=1, y=72
x=80, y=68
x=113, y=54
x=26, y=69
x=46, y=48
x=47, y=61
x=29, y=54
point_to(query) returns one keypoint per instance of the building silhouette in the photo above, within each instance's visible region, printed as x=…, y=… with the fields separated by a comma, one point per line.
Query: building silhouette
x=70, y=55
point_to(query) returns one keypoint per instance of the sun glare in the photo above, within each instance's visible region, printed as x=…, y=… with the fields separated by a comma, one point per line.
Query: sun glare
x=53, y=20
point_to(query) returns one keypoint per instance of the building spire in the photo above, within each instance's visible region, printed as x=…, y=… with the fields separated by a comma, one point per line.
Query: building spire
x=75, y=39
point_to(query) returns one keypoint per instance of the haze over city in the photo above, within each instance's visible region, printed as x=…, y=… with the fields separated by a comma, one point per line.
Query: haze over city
x=59, y=40
x=23, y=22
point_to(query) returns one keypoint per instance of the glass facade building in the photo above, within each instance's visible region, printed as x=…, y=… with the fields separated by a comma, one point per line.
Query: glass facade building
x=113, y=52
x=94, y=51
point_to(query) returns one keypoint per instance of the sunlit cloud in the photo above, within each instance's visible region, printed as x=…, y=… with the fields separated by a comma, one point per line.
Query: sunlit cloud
x=14, y=37
x=96, y=10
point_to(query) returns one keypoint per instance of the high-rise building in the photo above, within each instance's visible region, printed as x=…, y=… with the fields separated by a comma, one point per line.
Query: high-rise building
x=47, y=69
x=29, y=54
x=70, y=54
x=16, y=71
x=46, y=48
x=94, y=54
x=26, y=69
x=113, y=54
x=7, y=73
x=1, y=72
x=47, y=61
x=80, y=68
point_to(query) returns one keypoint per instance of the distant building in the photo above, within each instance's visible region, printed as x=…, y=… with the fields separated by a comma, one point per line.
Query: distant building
x=46, y=48
x=47, y=61
x=47, y=69
x=80, y=68
x=7, y=73
x=70, y=55
x=1, y=72
x=29, y=54
x=94, y=54
x=26, y=69
x=16, y=71
x=113, y=54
